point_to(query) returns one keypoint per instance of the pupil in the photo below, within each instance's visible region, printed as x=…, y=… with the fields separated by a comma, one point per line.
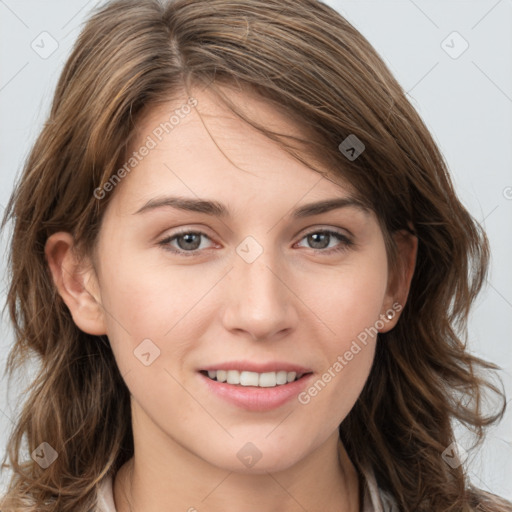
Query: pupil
x=189, y=240
x=315, y=243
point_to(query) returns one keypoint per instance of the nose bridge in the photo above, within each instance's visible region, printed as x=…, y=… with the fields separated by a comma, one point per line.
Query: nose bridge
x=260, y=303
x=259, y=279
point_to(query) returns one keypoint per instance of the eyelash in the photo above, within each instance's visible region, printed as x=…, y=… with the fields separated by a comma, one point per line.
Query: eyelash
x=346, y=243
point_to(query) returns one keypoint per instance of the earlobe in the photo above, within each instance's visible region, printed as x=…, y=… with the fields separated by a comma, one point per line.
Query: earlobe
x=76, y=284
x=400, y=280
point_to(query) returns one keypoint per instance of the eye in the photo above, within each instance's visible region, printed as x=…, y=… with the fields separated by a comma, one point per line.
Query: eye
x=321, y=239
x=187, y=241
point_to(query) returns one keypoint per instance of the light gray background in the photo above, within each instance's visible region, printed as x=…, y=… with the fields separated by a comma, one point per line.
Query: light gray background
x=465, y=100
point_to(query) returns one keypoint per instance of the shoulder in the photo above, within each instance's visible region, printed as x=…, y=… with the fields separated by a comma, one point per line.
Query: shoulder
x=484, y=501
x=105, y=501
x=375, y=499
x=104, y=498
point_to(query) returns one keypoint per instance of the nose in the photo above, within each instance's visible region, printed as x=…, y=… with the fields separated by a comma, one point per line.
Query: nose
x=260, y=301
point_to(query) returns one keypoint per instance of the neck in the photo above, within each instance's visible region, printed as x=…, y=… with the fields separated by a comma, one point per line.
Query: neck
x=325, y=480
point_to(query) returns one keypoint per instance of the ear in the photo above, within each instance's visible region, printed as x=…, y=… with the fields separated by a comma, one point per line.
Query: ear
x=76, y=283
x=400, y=278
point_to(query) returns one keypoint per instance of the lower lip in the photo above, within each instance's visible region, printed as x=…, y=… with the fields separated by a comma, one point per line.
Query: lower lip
x=252, y=398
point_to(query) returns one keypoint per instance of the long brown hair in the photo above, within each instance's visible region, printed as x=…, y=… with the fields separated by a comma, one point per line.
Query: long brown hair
x=308, y=61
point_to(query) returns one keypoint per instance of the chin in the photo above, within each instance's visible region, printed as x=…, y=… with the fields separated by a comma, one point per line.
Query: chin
x=255, y=458
x=262, y=467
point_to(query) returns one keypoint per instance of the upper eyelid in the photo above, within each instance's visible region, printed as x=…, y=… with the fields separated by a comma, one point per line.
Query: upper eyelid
x=304, y=231
x=341, y=231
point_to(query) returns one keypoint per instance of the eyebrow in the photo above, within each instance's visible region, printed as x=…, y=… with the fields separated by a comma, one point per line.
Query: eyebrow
x=214, y=208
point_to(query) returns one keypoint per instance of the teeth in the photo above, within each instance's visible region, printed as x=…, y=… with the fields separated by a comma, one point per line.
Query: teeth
x=248, y=379
x=282, y=377
x=262, y=380
x=267, y=380
x=233, y=377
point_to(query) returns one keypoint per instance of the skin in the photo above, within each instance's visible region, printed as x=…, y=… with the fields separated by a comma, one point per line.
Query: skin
x=294, y=303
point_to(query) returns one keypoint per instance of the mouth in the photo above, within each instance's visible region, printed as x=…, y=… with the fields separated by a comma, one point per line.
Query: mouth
x=254, y=379
x=272, y=386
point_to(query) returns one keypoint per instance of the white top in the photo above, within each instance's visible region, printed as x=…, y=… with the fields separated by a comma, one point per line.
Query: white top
x=375, y=499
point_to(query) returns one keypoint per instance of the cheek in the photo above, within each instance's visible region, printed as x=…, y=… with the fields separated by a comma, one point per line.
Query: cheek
x=351, y=299
x=138, y=307
x=150, y=299
x=350, y=306
x=153, y=308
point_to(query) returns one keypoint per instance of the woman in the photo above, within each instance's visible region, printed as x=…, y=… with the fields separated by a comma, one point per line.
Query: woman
x=241, y=260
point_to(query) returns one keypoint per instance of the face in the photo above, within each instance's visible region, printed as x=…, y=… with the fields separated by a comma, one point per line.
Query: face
x=254, y=283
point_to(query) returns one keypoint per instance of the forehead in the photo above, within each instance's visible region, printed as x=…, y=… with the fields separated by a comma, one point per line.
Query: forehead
x=206, y=150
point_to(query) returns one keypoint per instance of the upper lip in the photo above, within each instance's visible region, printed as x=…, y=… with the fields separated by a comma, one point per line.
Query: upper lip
x=248, y=366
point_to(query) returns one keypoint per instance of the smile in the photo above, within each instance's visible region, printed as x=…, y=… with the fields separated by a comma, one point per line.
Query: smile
x=246, y=378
